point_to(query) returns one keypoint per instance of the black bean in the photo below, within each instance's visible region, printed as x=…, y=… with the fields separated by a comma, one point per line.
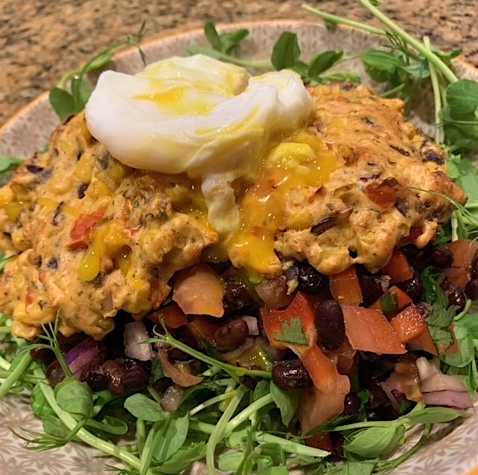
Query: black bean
x=431, y=155
x=237, y=297
x=471, y=289
x=54, y=373
x=384, y=413
x=291, y=374
x=56, y=215
x=456, y=295
x=370, y=286
x=34, y=168
x=438, y=257
x=175, y=354
x=324, y=225
x=377, y=396
x=122, y=380
x=310, y=280
x=42, y=355
x=329, y=320
x=52, y=263
x=231, y=335
x=96, y=379
x=81, y=190
x=351, y=404
x=412, y=287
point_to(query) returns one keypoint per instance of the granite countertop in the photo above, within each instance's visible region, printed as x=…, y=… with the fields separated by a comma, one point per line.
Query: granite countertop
x=42, y=39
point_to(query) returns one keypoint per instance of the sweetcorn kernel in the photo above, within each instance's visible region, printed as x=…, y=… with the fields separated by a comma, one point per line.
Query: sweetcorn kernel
x=98, y=189
x=118, y=171
x=84, y=168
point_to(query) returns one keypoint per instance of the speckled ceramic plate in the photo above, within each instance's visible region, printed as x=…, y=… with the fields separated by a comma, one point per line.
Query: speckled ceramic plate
x=454, y=453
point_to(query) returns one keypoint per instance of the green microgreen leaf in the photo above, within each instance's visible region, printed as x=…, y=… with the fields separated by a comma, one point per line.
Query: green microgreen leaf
x=460, y=115
x=62, y=102
x=73, y=92
x=286, y=401
x=286, y=51
x=75, y=397
x=375, y=441
x=9, y=163
x=143, y=407
x=183, y=458
x=172, y=433
x=322, y=62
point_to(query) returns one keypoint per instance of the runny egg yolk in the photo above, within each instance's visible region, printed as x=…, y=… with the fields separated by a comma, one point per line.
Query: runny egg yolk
x=299, y=161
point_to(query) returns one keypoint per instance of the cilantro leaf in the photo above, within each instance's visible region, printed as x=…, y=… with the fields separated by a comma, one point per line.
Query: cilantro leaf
x=292, y=332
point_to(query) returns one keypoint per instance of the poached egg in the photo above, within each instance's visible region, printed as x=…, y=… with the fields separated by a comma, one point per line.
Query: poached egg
x=197, y=115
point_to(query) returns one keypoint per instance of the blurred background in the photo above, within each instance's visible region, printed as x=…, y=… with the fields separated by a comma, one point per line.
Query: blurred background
x=42, y=39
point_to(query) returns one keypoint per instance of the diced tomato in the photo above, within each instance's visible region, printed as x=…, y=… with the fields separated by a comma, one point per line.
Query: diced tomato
x=203, y=328
x=345, y=287
x=199, y=291
x=82, y=227
x=394, y=300
x=172, y=316
x=463, y=251
x=413, y=235
x=317, y=407
x=301, y=307
x=398, y=268
x=382, y=194
x=424, y=342
x=322, y=370
x=409, y=324
x=368, y=329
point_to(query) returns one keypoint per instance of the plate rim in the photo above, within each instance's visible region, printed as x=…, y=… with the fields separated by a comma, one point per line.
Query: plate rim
x=151, y=42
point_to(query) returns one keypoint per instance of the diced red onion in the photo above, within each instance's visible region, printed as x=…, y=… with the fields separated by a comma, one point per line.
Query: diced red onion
x=252, y=325
x=455, y=399
x=442, y=389
x=171, y=399
x=426, y=368
x=182, y=378
x=81, y=355
x=233, y=355
x=393, y=388
x=135, y=334
x=443, y=382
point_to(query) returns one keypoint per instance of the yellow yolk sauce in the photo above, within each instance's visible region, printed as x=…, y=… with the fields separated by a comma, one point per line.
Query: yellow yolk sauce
x=300, y=160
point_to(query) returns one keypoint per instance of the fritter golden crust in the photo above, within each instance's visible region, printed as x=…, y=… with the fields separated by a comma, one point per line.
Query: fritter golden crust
x=90, y=237
x=375, y=199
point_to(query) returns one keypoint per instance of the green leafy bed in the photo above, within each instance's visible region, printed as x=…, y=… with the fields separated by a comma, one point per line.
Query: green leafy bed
x=222, y=421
